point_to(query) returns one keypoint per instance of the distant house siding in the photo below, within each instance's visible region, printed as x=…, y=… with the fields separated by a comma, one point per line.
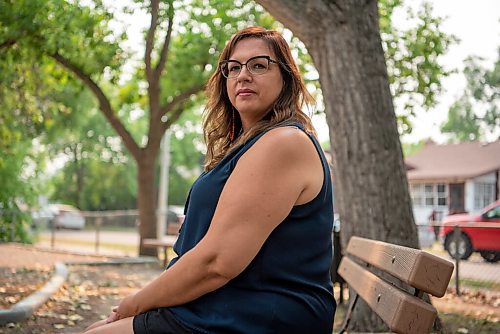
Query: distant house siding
x=484, y=191
x=427, y=197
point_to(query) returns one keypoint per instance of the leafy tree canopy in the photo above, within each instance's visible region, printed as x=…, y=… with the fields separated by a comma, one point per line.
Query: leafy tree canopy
x=475, y=115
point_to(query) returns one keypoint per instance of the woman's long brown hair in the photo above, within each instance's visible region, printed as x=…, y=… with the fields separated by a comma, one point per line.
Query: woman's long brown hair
x=219, y=111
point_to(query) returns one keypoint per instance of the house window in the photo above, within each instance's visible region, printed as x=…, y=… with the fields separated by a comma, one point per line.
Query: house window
x=484, y=194
x=442, y=194
x=417, y=194
x=429, y=194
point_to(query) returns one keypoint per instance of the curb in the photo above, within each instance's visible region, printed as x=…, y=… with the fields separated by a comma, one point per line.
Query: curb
x=26, y=307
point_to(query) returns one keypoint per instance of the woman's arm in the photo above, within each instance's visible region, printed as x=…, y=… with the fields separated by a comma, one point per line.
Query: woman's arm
x=279, y=171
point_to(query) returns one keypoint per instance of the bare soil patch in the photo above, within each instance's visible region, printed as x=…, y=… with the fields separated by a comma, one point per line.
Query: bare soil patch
x=88, y=296
x=18, y=283
x=91, y=291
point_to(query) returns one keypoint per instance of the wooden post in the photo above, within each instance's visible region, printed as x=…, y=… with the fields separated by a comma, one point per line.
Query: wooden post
x=456, y=236
x=52, y=232
x=97, y=230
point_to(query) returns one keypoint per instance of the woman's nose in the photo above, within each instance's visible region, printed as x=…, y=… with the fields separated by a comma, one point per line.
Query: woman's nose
x=244, y=74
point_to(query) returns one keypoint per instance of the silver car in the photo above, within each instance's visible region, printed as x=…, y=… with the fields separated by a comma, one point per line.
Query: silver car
x=66, y=216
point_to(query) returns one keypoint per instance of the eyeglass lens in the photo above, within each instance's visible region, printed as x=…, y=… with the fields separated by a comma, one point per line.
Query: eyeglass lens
x=257, y=65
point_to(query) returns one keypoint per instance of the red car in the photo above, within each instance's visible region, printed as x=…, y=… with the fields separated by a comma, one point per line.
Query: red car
x=479, y=232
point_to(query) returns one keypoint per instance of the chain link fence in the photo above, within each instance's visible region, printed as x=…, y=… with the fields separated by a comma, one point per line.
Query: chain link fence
x=473, y=248
x=94, y=232
x=116, y=232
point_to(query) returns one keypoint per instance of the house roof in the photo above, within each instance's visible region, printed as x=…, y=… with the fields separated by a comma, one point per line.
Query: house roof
x=454, y=162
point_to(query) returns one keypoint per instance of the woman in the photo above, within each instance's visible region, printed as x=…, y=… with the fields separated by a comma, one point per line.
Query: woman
x=254, y=251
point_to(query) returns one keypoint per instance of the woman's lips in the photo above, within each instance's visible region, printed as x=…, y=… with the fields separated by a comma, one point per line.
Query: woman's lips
x=244, y=92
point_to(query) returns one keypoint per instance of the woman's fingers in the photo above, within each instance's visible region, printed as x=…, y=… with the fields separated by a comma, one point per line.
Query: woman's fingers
x=113, y=317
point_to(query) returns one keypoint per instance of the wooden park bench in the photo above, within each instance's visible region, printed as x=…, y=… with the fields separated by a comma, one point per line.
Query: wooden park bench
x=164, y=243
x=402, y=311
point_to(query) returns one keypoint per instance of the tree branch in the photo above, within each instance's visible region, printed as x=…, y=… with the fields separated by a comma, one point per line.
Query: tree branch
x=7, y=43
x=166, y=43
x=150, y=39
x=174, y=116
x=297, y=14
x=104, y=105
x=180, y=98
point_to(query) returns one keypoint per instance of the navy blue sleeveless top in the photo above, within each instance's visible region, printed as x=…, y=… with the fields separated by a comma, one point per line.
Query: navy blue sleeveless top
x=286, y=288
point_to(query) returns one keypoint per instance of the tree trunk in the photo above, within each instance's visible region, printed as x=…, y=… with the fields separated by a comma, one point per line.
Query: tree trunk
x=146, y=201
x=371, y=189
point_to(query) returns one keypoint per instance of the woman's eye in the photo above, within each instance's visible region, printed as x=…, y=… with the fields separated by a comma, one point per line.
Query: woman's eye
x=259, y=66
x=234, y=68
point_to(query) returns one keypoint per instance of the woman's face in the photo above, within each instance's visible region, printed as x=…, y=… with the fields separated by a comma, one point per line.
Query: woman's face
x=253, y=95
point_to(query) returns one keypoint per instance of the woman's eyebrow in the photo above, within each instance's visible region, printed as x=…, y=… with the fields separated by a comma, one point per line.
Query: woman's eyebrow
x=259, y=55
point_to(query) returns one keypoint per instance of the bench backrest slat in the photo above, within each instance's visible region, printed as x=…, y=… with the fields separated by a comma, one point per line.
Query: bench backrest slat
x=415, y=267
x=403, y=313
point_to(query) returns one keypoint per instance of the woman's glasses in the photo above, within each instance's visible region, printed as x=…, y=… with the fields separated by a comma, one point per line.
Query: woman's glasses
x=256, y=65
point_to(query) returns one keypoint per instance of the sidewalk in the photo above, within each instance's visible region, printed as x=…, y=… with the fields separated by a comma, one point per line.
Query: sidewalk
x=31, y=257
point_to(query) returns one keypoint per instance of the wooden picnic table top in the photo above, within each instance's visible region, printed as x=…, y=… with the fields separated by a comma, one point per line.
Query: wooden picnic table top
x=165, y=241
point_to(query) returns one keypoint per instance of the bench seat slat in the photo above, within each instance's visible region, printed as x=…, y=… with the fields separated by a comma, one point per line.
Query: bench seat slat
x=402, y=312
x=415, y=267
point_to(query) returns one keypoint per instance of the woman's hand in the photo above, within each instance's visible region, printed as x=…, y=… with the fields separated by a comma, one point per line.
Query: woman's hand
x=126, y=308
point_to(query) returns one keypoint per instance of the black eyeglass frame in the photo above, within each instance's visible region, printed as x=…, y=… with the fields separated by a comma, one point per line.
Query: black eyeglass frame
x=225, y=63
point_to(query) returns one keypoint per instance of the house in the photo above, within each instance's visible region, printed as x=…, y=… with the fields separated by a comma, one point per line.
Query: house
x=453, y=178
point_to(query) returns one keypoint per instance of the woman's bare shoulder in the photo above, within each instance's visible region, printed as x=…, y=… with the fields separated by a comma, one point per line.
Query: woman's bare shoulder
x=288, y=139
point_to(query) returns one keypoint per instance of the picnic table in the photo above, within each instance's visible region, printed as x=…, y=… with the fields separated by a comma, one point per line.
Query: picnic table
x=164, y=243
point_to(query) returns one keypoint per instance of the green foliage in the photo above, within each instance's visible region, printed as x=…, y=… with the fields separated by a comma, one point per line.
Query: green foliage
x=412, y=58
x=50, y=27
x=14, y=226
x=462, y=123
x=476, y=114
x=14, y=219
x=186, y=155
x=98, y=173
x=412, y=148
x=107, y=185
x=56, y=54
x=33, y=37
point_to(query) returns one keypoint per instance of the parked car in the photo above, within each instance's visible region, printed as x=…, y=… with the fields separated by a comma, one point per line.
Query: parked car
x=175, y=218
x=475, y=235
x=66, y=216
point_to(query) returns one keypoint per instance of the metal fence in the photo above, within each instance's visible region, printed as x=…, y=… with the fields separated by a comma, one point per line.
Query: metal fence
x=116, y=232
x=472, y=246
x=102, y=232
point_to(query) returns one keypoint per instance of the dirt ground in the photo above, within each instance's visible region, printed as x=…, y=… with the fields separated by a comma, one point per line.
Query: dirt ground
x=91, y=291
x=474, y=312
x=87, y=296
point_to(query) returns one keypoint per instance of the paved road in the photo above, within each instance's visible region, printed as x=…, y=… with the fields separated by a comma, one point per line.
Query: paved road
x=113, y=237
x=126, y=243
x=110, y=242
